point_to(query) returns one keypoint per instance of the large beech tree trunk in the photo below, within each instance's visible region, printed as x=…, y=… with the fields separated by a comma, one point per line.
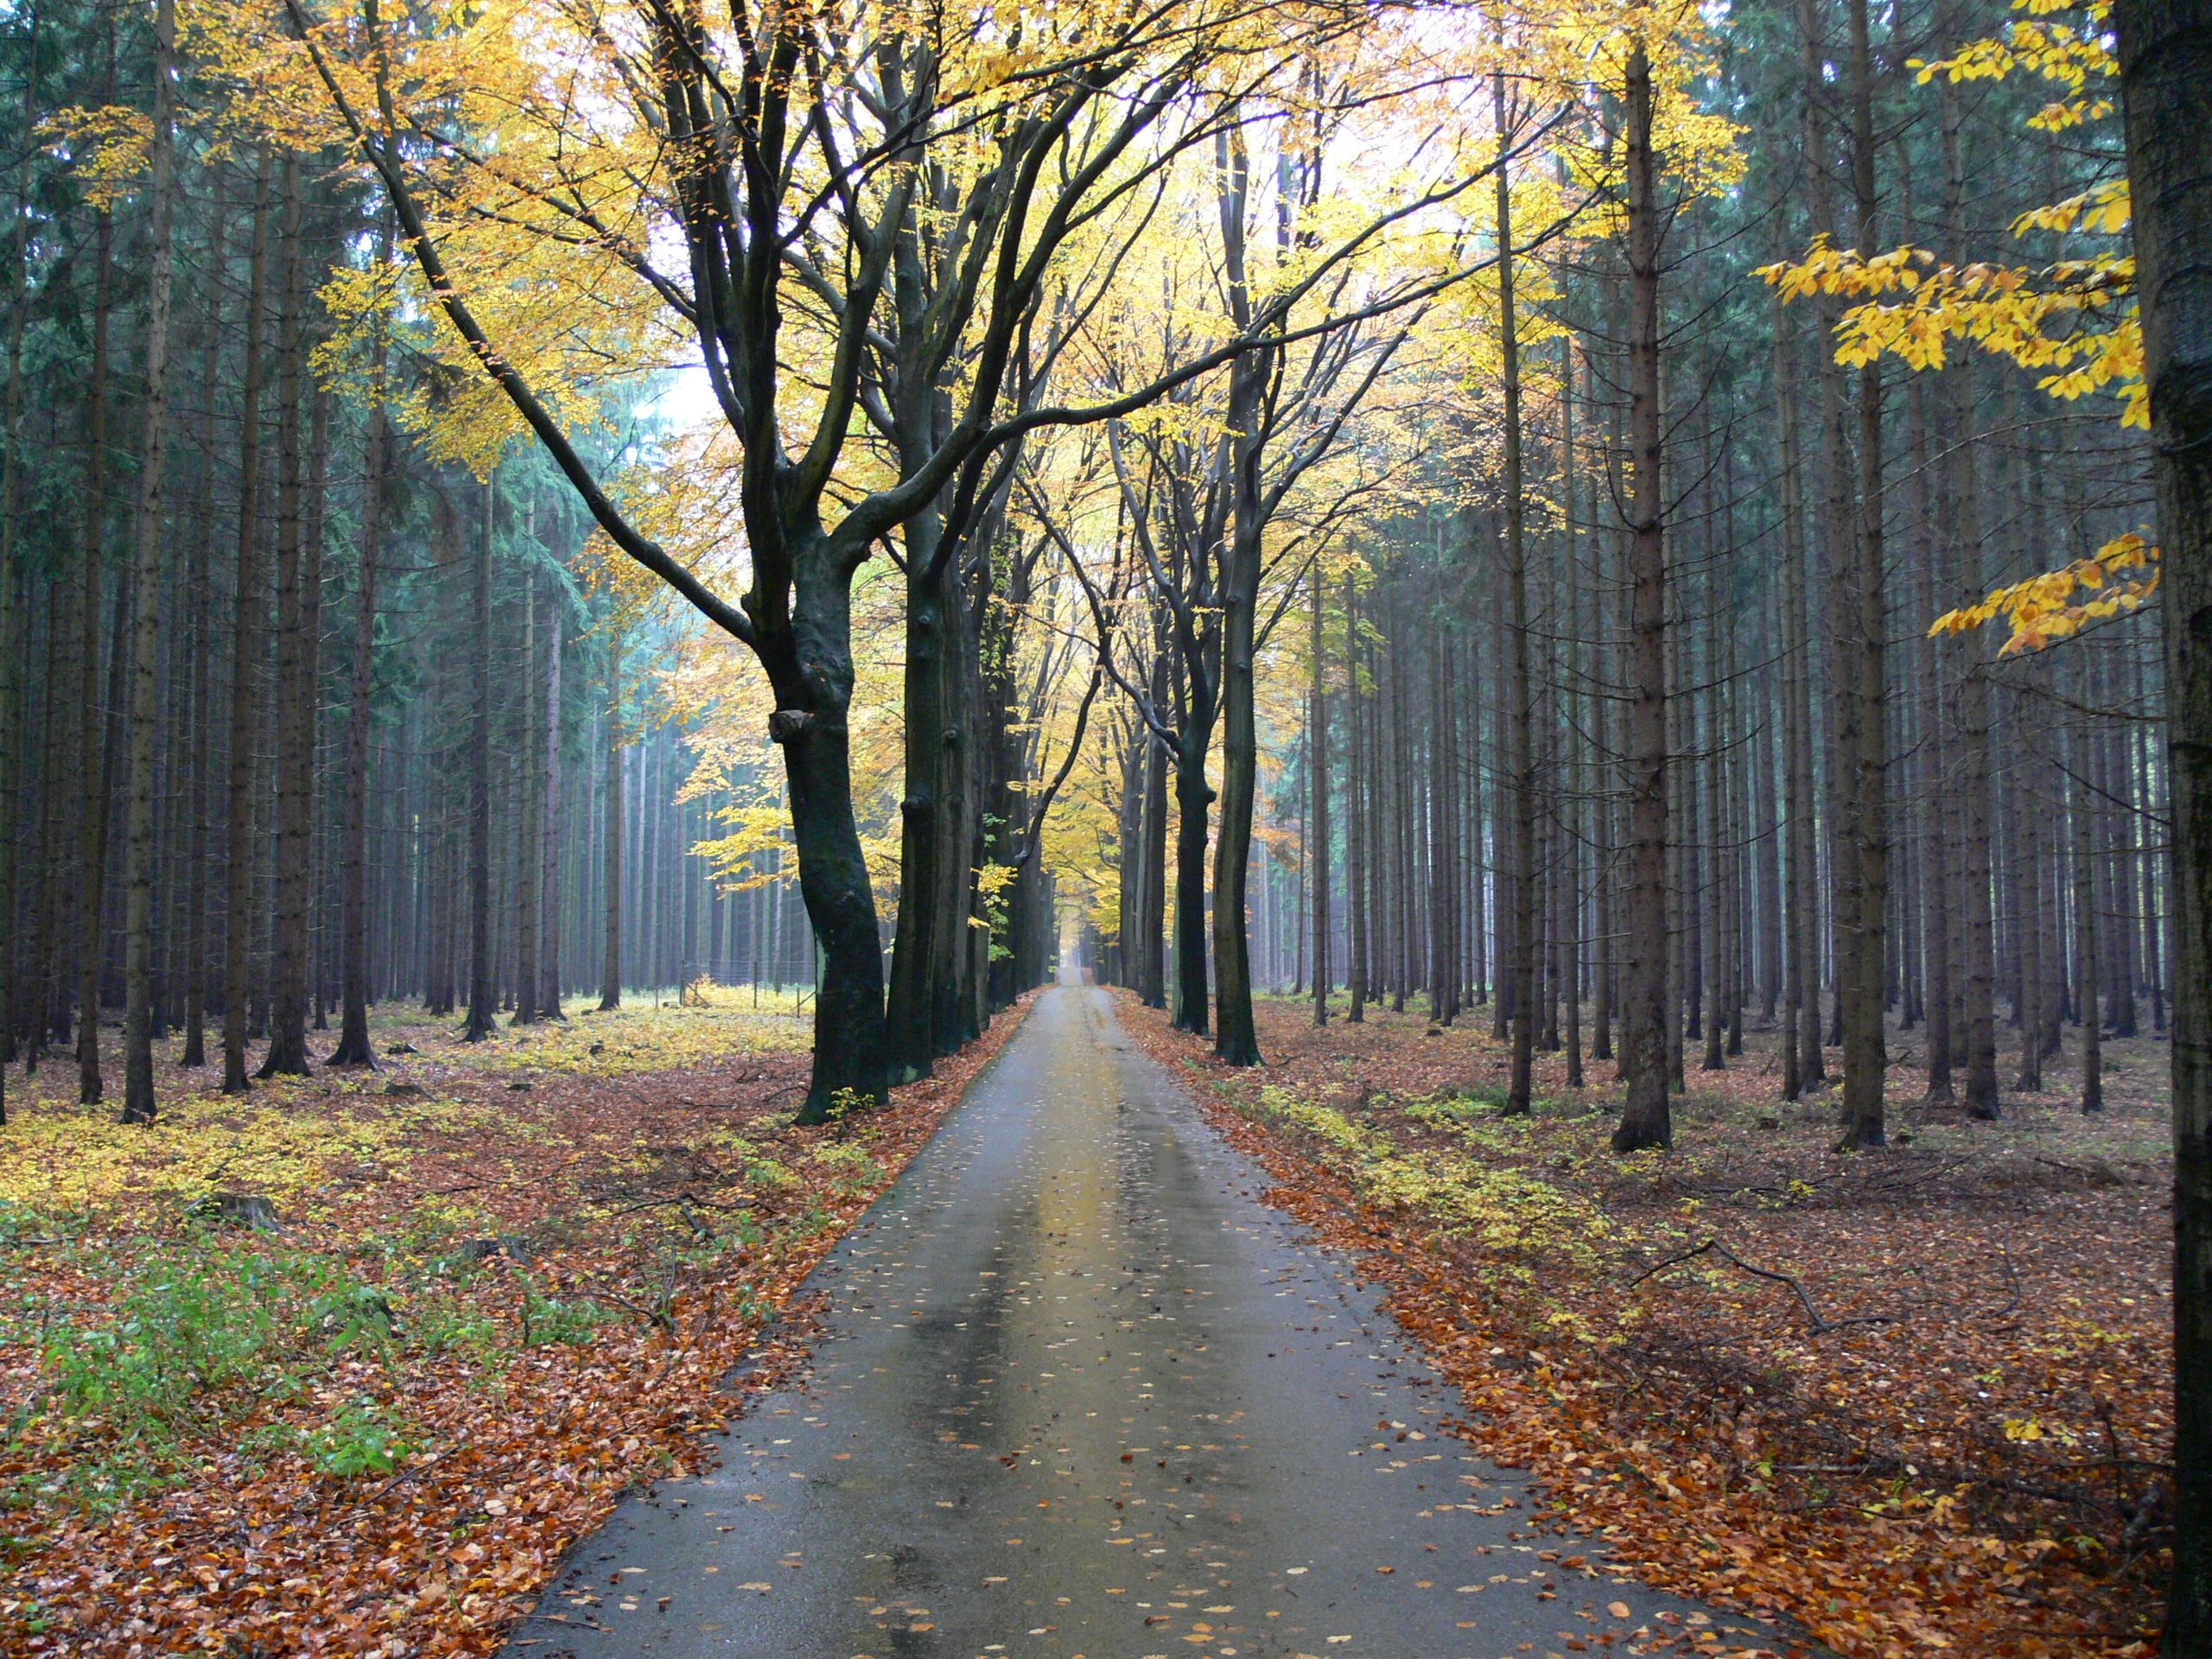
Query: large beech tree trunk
x=810, y=666
x=1193, y=804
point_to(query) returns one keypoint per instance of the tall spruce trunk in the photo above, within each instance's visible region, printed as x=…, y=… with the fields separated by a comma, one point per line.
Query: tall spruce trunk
x=531, y=818
x=91, y=745
x=146, y=586
x=203, y=635
x=2165, y=77
x=610, y=956
x=478, y=1024
x=250, y=614
x=2086, y=1002
x=353, y=1045
x=1644, y=1116
x=288, y=965
x=1865, y=1057
x=1800, y=1037
x=18, y=1011
x=1976, y=972
x=1939, y=860
x=548, y=991
x=1520, y=754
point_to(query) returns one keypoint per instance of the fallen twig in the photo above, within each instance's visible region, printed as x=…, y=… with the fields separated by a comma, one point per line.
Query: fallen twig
x=1821, y=1326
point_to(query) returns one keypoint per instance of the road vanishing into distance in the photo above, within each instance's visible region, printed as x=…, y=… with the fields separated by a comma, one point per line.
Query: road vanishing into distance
x=1081, y=1395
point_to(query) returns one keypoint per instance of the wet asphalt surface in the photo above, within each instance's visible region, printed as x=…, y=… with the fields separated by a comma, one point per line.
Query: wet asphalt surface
x=1080, y=1396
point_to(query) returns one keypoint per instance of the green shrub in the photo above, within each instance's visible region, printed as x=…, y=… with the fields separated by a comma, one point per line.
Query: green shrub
x=359, y=1440
x=546, y=1319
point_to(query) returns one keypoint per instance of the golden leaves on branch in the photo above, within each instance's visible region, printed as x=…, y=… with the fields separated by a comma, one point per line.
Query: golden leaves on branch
x=2057, y=604
x=106, y=143
x=1913, y=303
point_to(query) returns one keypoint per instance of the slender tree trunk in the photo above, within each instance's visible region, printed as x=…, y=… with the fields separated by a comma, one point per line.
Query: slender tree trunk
x=353, y=1045
x=288, y=1010
x=1356, y=820
x=1644, y=1118
x=1977, y=1029
x=548, y=992
x=2086, y=1002
x=1317, y=768
x=146, y=585
x=530, y=827
x=203, y=634
x=1578, y=711
x=1520, y=752
x=1863, y=685
x=480, y=987
x=17, y=1010
x=2027, y=875
x=610, y=971
x=91, y=747
x=253, y=615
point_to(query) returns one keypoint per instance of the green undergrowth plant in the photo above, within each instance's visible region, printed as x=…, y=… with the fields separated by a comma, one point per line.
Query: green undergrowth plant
x=572, y=1322
x=1519, y=1219
x=360, y=1438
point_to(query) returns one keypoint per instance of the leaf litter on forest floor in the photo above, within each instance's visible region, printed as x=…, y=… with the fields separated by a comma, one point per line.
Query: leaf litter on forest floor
x=483, y=1315
x=1916, y=1401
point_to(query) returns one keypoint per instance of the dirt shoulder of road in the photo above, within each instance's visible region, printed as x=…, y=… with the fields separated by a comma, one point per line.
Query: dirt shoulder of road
x=508, y=1281
x=1915, y=1402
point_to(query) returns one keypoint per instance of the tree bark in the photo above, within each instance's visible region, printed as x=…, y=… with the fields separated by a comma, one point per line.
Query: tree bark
x=610, y=959
x=481, y=986
x=1356, y=820
x=548, y=992
x=1644, y=1117
x=287, y=967
x=2165, y=77
x=252, y=616
x=1317, y=777
x=1520, y=754
x=353, y=1045
x=1862, y=685
x=92, y=746
x=146, y=587
x=2086, y=1002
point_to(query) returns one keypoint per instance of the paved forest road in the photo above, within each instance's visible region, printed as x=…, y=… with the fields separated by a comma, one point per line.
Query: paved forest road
x=1082, y=1395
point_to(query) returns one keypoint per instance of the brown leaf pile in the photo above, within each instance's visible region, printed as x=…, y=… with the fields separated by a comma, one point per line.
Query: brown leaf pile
x=1917, y=1401
x=609, y=1172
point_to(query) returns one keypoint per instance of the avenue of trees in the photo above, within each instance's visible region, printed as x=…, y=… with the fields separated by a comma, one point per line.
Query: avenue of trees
x=1618, y=521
